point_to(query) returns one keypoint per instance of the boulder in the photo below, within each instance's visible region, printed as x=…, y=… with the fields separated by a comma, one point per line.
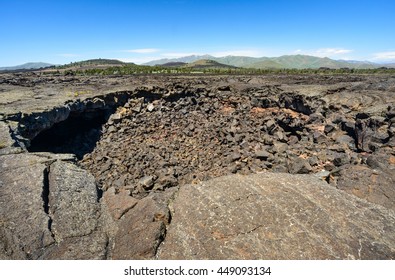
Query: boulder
x=143, y=227
x=262, y=154
x=273, y=216
x=374, y=182
x=118, y=203
x=298, y=165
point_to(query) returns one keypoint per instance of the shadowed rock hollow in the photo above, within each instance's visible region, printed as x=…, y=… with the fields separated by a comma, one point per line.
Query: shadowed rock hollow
x=76, y=135
x=152, y=179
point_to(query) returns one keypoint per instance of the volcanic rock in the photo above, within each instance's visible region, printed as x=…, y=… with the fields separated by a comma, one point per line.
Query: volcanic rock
x=272, y=216
x=143, y=228
x=49, y=210
x=135, y=143
x=262, y=154
x=298, y=165
x=375, y=184
x=119, y=203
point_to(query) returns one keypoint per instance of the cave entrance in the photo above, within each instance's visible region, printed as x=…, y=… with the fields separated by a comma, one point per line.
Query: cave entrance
x=77, y=134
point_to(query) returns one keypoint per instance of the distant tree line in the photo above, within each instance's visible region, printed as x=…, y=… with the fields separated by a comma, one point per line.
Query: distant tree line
x=140, y=69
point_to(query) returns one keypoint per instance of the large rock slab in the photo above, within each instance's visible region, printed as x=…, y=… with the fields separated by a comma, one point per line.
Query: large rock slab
x=73, y=204
x=24, y=224
x=49, y=209
x=275, y=216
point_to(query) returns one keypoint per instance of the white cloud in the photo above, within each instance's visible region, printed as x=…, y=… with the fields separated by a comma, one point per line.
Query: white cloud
x=178, y=54
x=325, y=52
x=329, y=51
x=384, y=56
x=139, y=60
x=142, y=51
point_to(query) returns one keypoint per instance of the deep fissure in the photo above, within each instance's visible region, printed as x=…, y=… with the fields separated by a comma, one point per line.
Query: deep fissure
x=45, y=197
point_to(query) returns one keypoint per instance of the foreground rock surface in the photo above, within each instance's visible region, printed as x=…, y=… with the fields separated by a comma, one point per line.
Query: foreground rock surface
x=49, y=209
x=275, y=216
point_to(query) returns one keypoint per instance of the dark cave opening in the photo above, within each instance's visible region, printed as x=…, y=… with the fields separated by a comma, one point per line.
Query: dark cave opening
x=78, y=134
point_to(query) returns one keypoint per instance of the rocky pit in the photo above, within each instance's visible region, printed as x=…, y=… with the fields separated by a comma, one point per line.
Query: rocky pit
x=143, y=145
x=166, y=137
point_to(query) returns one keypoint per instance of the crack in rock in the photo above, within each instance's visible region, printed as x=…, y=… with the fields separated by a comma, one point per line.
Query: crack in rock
x=45, y=197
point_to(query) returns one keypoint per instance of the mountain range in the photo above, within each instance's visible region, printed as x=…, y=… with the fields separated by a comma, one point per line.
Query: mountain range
x=29, y=65
x=208, y=61
x=281, y=62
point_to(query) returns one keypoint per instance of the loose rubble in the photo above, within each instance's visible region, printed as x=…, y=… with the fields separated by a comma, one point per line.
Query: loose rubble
x=181, y=135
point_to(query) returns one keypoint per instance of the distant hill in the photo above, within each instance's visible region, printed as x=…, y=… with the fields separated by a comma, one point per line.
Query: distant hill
x=207, y=64
x=173, y=64
x=29, y=65
x=282, y=62
x=265, y=64
x=101, y=61
x=389, y=65
x=313, y=62
x=94, y=62
x=300, y=62
x=307, y=61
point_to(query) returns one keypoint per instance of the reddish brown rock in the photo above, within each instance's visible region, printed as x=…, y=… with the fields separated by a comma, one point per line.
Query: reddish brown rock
x=119, y=203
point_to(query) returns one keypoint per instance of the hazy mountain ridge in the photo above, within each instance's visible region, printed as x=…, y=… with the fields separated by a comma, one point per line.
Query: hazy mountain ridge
x=389, y=65
x=29, y=65
x=286, y=61
x=238, y=61
x=185, y=59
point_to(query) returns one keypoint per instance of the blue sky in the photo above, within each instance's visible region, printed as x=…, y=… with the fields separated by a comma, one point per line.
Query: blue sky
x=138, y=31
